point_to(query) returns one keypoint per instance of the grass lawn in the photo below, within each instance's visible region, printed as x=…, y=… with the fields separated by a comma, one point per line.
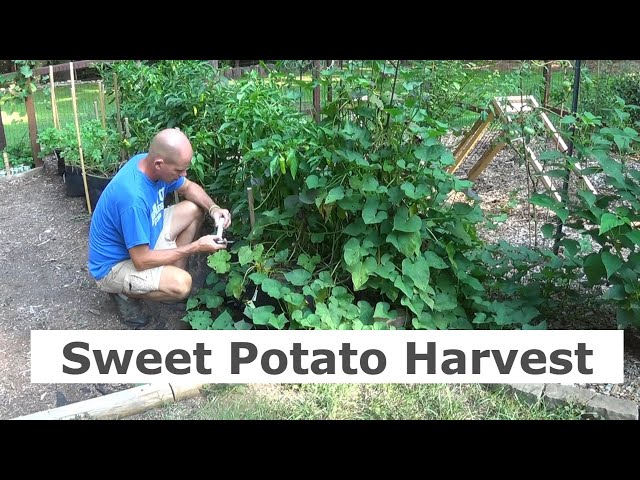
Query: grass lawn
x=360, y=402
x=14, y=116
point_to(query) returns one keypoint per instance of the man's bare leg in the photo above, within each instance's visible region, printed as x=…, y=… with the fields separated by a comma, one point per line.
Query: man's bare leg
x=186, y=221
x=175, y=285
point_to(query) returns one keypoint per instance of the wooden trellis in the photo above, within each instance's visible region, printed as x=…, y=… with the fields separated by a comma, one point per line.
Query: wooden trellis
x=507, y=107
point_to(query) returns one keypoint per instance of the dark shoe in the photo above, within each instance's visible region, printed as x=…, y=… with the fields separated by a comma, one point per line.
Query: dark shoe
x=181, y=305
x=130, y=311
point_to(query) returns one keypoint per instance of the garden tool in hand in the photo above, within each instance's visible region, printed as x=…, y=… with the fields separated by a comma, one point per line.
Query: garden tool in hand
x=219, y=239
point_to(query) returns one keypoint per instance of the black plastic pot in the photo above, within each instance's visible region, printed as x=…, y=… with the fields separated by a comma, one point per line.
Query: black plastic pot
x=74, y=186
x=96, y=186
x=60, y=160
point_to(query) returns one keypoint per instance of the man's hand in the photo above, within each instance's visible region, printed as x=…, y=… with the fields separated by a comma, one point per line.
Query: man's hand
x=207, y=243
x=221, y=215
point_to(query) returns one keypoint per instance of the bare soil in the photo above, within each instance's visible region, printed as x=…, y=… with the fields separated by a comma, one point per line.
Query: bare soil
x=45, y=285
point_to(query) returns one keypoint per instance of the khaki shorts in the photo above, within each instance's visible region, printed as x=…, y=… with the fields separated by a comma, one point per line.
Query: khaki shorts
x=124, y=278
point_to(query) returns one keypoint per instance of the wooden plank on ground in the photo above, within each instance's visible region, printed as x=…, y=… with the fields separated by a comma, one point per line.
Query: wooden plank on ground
x=484, y=161
x=472, y=139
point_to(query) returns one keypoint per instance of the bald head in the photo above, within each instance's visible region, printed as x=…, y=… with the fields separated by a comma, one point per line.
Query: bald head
x=172, y=146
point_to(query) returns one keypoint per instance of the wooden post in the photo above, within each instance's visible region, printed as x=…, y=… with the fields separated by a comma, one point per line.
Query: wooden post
x=546, y=71
x=54, y=110
x=95, y=108
x=126, y=128
x=329, y=87
x=7, y=166
x=101, y=100
x=3, y=138
x=316, y=91
x=75, y=117
x=33, y=128
x=120, y=404
x=252, y=213
x=471, y=140
x=116, y=92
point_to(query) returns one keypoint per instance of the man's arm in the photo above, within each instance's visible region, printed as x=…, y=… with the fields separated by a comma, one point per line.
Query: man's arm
x=195, y=193
x=143, y=257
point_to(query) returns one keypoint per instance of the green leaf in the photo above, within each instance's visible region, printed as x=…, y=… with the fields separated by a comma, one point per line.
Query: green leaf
x=370, y=213
x=309, y=196
x=245, y=255
x=543, y=200
x=369, y=184
x=242, y=325
x=356, y=228
x=278, y=322
x=548, y=230
x=298, y=277
x=406, y=243
x=611, y=263
x=312, y=181
x=192, y=302
x=292, y=162
x=634, y=236
x=199, y=320
x=351, y=202
x=258, y=277
x=308, y=263
x=281, y=256
x=588, y=197
x=361, y=271
x=26, y=71
x=609, y=221
x=403, y=223
x=223, y=322
x=594, y=268
x=211, y=300
x=626, y=317
x=317, y=237
x=418, y=271
x=272, y=287
x=219, y=261
x=616, y=292
x=445, y=301
x=382, y=311
x=434, y=260
x=386, y=270
x=295, y=299
x=234, y=285
x=262, y=315
x=366, y=312
x=400, y=285
x=352, y=251
x=336, y=193
x=572, y=247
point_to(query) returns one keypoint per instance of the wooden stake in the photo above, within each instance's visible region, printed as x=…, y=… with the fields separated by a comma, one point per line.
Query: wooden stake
x=33, y=128
x=7, y=166
x=126, y=128
x=95, y=108
x=52, y=86
x=116, y=93
x=101, y=99
x=120, y=404
x=252, y=213
x=75, y=117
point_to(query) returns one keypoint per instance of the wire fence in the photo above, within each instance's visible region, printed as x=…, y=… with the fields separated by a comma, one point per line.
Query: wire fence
x=14, y=116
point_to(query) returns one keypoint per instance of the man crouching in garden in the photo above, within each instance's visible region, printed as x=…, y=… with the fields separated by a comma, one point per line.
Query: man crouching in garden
x=139, y=249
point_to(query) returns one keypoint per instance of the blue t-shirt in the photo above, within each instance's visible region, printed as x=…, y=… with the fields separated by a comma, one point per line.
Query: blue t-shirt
x=130, y=212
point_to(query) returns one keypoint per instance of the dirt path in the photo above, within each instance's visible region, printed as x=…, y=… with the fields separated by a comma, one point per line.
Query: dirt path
x=44, y=284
